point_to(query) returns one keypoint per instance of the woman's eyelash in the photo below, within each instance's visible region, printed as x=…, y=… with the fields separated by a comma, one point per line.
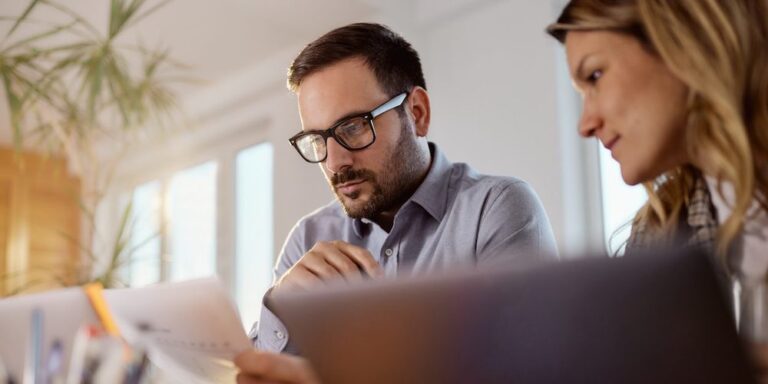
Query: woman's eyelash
x=594, y=76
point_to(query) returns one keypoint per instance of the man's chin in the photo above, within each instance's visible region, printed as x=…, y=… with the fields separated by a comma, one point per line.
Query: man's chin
x=358, y=197
x=355, y=206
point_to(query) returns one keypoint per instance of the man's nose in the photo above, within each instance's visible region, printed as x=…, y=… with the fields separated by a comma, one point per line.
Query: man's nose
x=338, y=158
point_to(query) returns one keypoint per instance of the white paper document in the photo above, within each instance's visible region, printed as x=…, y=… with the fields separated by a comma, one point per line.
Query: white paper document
x=190, y=329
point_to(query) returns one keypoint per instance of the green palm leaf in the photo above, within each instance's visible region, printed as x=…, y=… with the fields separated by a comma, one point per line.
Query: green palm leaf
x=23, y=17
x=60, y=93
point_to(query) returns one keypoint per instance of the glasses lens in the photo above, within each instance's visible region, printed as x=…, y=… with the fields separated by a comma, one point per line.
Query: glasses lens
x=355, y=133
x=312, y=147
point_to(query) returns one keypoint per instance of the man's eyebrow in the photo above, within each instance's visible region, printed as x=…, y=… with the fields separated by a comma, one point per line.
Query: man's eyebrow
x=350, y=115
x=339, y=120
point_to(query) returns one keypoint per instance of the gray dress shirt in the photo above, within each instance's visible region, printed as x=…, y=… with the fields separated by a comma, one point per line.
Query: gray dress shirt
x=455, y=218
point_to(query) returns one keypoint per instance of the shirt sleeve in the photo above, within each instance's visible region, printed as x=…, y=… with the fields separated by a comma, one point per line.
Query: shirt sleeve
x=515, y=228
x=271, y=334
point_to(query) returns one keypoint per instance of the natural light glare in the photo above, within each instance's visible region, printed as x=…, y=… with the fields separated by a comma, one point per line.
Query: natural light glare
x=620, y=202
x=254, y=229
x=144, y=267
x=191, y=214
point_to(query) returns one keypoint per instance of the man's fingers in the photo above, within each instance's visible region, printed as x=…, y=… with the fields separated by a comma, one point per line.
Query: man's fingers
x=361, y=257
x=348, y=268
x=335, y=257
x=319, y=265
x=299, y=277
x=328, y=261
x=268, y=367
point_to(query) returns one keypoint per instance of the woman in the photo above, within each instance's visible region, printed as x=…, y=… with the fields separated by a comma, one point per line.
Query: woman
x=677, y=90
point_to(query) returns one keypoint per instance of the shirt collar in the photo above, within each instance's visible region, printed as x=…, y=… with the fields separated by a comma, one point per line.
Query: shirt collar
x=432, y=194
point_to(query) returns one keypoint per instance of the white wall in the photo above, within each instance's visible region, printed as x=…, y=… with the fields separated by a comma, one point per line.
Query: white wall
x=491, y=75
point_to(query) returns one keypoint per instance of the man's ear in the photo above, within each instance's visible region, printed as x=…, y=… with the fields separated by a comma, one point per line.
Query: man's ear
x=418, y=108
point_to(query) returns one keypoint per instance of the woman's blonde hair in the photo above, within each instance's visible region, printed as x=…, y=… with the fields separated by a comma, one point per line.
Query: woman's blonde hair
x=719, y=49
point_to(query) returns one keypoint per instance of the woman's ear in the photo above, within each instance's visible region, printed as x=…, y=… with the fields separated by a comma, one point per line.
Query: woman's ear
x=418, y=108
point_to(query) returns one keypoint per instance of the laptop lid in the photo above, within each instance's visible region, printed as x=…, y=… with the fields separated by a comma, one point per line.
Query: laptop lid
x=650, y=318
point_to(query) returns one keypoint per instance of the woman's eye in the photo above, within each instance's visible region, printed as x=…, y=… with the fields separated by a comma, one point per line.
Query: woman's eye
x=594, y=76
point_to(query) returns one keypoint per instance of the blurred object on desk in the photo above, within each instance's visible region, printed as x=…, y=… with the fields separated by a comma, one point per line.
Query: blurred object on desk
x=190, y=330
x=66, y=311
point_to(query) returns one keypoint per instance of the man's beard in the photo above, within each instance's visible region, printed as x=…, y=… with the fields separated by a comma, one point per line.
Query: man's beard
x=392, y=187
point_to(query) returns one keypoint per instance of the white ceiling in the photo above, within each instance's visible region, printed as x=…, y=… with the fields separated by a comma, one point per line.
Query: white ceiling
x=218, y=37
x=215, y=38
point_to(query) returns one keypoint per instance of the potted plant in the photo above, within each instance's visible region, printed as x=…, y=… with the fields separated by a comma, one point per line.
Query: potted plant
x=71, y=89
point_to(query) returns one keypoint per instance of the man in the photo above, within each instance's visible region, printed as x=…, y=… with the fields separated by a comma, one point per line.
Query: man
x=401, y=207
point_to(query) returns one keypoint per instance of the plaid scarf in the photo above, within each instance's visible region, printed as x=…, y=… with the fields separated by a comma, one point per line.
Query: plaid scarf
x=699, y=229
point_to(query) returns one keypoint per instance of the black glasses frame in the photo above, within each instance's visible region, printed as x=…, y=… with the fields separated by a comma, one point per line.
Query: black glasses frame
x=331, y=132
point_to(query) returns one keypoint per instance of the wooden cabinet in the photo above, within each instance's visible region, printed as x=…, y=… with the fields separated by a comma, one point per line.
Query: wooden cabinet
x=39, y=222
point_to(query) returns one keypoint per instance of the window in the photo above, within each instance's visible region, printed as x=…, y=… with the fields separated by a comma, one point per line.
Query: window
x=620, y=202
x=181, y=225
x=191, y=222
x=254, y=252
x=144, y=267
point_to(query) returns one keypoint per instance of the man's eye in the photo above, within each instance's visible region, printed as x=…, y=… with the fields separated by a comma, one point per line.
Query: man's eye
x=318, y=141
x=351, y=128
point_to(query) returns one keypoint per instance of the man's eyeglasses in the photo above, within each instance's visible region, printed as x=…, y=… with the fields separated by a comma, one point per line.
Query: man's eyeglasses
x=354, y=133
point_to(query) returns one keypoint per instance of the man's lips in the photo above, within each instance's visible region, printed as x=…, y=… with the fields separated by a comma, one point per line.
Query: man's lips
x=349, y=186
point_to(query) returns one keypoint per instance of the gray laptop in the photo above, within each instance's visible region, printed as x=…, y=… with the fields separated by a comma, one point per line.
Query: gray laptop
x=646, y=319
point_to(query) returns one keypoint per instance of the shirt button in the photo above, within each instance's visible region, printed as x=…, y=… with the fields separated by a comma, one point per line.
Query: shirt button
x=388, y=252
x=280, y=335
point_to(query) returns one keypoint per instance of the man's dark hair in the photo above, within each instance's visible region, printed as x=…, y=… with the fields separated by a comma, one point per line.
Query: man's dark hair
x=394, y=62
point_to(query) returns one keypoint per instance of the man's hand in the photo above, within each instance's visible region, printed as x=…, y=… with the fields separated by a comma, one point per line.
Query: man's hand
x=329, y=261
x=258, y=367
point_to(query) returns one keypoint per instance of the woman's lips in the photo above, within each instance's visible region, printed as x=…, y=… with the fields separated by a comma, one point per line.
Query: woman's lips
x=610, y=144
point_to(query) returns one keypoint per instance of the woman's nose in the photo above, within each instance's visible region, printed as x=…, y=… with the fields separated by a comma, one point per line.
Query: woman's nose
x=590, y=120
